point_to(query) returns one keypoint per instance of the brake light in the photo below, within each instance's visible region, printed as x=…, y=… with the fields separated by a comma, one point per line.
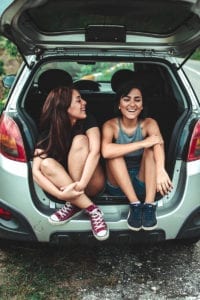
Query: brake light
x=194, y=147
x=11, y=143
x=5, y=214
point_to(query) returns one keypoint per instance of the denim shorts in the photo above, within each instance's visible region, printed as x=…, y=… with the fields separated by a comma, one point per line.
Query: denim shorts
x=138, y=185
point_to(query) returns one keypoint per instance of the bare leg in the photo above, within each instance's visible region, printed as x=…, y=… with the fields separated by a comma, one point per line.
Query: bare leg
x=76, y=161
x=96, y=183
x=118, y=176
x=77, y=156
x=147, y=174
x=56, y=173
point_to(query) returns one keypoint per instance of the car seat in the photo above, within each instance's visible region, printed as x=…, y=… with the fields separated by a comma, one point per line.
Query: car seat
x=53, y=78
x=47, y=81
x=87, y=85
x=121, y=77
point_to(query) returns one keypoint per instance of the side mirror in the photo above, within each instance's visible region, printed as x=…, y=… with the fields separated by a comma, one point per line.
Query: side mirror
x=8, y=81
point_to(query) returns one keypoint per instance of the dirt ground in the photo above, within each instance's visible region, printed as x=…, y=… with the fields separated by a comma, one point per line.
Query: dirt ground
x=110, y=272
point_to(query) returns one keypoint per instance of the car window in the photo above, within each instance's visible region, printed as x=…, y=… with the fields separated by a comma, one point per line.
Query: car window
x=99, y=71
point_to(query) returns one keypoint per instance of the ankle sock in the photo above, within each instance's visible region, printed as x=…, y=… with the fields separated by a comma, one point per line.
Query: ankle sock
x=136, y=202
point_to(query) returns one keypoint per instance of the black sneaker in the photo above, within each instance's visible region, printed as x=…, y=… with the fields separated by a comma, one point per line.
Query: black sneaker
x=149, y=221
x=134, y=219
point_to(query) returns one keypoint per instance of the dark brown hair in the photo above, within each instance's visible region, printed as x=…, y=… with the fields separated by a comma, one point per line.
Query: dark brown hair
x=55, y=124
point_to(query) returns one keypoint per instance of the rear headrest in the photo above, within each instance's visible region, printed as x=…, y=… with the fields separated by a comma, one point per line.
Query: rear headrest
x=151, y=82
x=53, y=78
x=120, y=77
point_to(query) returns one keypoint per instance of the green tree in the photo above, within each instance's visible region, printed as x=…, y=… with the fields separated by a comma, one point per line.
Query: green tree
x=8, y=51
x=11, y=48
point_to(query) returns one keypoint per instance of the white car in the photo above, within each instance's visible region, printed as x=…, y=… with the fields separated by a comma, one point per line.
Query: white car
x=91, y=40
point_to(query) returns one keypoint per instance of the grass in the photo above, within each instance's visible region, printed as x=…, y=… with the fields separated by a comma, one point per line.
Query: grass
x=42, y=272
x=79, y=272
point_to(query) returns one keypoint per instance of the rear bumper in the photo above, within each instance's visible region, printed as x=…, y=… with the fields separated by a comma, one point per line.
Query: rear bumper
x=79, y=231
x=178, y=215
x=191, y=227
x=190, y=230
x=17, y=228
x=116, y=237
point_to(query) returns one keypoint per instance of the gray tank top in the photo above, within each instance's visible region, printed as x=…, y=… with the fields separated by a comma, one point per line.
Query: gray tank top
x=132, y=159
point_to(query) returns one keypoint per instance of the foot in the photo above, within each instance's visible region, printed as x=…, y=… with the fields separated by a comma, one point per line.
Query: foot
x=65, y=214
x=99, y=227
x=134, y=219
x=149, y=221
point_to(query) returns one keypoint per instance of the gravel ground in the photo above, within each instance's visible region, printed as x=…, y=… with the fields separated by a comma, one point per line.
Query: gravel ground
x=152, y=272
x=110, y=272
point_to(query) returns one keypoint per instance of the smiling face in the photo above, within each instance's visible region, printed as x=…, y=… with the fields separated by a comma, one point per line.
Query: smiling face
x=131, y=105
x=77, y=109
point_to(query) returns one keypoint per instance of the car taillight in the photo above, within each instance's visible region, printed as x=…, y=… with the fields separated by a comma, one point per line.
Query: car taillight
x=5, y=214
x=11, y=143
x=194, y=147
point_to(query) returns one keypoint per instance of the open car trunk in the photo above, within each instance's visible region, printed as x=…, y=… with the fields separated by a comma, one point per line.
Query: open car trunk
x=162, y=101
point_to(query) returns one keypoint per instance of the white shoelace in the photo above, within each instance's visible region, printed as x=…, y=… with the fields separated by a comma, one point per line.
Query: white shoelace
x=64, y=210
x=97, y=218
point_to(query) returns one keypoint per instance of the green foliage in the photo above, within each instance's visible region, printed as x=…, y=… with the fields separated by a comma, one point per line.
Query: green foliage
x=8, y=51
x=2, y=71
x=101, y=71
x=9, y=47
x=196, y=55
x=1, y=106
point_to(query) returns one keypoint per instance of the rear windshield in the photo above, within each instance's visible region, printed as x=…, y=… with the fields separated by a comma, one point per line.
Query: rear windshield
x=157, y=17
x=98, y=71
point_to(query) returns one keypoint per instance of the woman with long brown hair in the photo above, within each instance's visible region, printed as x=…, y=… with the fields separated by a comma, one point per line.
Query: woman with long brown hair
x=66, y=160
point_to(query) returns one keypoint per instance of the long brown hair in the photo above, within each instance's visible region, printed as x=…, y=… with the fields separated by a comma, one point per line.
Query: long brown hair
x=55, y=124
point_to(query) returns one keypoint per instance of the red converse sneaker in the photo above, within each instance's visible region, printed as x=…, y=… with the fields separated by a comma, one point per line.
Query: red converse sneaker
x=99, y=228
x=65, y=214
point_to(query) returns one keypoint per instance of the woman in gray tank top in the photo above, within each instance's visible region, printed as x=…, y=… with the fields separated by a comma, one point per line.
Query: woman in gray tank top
x=135, y=159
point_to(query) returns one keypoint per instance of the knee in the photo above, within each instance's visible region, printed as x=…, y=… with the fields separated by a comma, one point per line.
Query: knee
x=47, y=166
x=80, y=143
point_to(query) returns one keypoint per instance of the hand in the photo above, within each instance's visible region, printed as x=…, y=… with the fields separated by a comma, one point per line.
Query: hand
x=152, y=140
x=163, y=184
x=79, y=186
x=69, y=192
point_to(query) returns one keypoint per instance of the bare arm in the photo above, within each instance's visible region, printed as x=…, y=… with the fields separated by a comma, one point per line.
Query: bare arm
x=64, y=193
x=163, y=182
x=112, y=150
